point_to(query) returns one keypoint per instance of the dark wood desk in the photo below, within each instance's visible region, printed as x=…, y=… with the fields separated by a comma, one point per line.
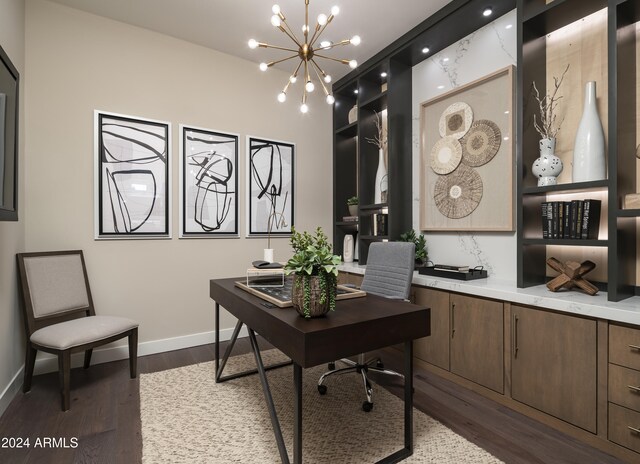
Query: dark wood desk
x=358, y=325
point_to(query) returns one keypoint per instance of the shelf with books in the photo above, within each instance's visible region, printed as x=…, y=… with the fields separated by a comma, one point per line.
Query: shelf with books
x=565, y=242
x=576, y=187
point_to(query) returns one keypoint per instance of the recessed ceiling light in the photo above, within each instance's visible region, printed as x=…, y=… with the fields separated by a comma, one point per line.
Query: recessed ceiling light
x=383, y=74
x=425, y=50
x=355, y=91
x=445, y=59
x=487, y=11
x=440, y=87
x=325, y=43
x=508, y=26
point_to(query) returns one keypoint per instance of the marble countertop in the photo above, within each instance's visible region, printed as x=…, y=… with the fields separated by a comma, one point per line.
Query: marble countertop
x=573, y=302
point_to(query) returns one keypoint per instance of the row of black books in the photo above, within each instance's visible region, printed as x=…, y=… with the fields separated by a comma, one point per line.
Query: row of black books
x=577, y=219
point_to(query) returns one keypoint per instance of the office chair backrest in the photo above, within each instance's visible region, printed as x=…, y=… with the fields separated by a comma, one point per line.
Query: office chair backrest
x=389, y=269
x=54, y=286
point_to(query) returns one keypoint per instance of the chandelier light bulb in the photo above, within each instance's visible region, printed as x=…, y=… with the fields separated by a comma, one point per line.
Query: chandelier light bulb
x=293, y=79
x=322, y=19
x=325, y=43
x=304, y=108
x=335, y=10
x=263, y=66
x=275, y=9
x=353, y=64
x=309, y=86
x=305, y=28
x=330, y=99
x=355, y=40
x=327, y=78
x=282, y=97
x=253, y=44
x=275, y=20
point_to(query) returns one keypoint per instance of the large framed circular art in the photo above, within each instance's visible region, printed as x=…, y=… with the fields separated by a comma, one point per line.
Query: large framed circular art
x=466, y=171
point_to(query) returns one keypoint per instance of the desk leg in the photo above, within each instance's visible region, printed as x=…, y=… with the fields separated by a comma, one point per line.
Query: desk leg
x=220, y=364
x=297, y=414
x=267, y=395
x=408, y=409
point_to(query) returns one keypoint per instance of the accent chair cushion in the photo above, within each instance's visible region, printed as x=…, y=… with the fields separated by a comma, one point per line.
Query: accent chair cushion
x=389, y=270
x=81, y=331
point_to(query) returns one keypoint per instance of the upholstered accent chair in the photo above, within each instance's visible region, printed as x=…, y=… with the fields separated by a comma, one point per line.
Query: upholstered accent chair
x=60, y=317
x=389, y=273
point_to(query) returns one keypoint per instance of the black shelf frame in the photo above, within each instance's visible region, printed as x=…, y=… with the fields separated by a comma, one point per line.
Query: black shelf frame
x=455, y=21
x=536, y=19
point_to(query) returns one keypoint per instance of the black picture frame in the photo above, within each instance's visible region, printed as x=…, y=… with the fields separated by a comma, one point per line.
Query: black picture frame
x=270, y=185
x=208, y=183
x=9, y=111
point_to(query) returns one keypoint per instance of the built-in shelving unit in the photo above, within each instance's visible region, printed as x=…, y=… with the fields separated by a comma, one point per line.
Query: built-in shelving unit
x=356, y=160
x=616, y=68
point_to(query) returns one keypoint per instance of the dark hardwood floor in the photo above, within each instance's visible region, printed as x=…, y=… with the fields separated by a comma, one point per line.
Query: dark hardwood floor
x=105, y=416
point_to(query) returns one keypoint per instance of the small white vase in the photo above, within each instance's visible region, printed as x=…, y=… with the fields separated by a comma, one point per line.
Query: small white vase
x=347, y=248
x=588, y=150
x=268, y=255
x=382, y=183
x=548, y=166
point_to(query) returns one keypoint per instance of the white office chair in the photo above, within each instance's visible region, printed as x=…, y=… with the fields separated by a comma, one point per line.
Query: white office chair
x=389, y=273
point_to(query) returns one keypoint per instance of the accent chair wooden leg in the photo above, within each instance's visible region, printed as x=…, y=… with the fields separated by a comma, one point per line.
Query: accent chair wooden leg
x=133, y=353
x=87, y=358
x=29, y=363
x=64, y=372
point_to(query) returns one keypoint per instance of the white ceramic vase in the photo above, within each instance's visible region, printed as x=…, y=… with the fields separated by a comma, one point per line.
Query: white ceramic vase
x=268, y=255
x=588, y=150
x=548, y=166
x=382, y=183
x=347, y=248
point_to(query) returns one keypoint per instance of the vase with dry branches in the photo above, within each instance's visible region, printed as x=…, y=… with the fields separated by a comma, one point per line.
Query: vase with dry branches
x=548, y=166
x=380, y=140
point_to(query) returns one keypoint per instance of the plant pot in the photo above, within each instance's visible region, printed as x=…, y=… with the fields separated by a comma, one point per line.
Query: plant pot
x=316, y=307
x=353, y=210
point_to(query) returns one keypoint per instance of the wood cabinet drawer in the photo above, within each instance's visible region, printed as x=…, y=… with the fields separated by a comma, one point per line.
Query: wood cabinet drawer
x=620, y=419
x=624, y=346
x=624, y=387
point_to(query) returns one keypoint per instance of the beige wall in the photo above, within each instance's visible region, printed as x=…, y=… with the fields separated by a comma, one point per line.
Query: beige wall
x=12, y=233
x=77, y=62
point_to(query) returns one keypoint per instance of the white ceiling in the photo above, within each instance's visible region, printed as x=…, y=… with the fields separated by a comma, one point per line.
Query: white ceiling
x=227, y=25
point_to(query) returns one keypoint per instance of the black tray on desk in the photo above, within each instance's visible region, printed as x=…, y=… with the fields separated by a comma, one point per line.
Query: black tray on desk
x=473, y=274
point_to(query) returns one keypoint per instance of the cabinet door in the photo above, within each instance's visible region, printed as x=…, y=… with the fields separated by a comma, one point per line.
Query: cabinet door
x=434, y=349
x=553, y=366
x=477, y=340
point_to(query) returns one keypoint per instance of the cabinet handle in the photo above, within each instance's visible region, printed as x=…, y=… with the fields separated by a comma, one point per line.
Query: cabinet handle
x=453, y=319
x=633, y=429
x=515, y=336
x=634, y=347
x=635, y=389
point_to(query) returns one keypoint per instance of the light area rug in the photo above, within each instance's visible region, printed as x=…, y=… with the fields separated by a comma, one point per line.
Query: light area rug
x=188, y=418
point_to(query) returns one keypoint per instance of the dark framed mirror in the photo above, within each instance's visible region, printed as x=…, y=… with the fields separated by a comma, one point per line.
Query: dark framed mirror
x=9, y=82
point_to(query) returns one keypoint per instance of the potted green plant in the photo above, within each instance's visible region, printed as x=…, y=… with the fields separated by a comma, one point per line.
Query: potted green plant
x=352, y=204
x=315, y=270
x=420, y=243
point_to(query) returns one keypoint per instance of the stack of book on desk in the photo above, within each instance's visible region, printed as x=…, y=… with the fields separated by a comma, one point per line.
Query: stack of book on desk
x=265, y=276
x=454, y=272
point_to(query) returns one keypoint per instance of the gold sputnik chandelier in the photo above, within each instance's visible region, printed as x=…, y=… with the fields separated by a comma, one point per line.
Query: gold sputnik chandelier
x=307, y=51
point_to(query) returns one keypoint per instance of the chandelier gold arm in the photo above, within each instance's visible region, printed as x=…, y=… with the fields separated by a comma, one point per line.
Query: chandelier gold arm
x=306, y=21
x=319, y=70
x=280, y=61
x=289, y=33
x=320, y=30
x=295, y=74
x=332, y=59
x=265, y=45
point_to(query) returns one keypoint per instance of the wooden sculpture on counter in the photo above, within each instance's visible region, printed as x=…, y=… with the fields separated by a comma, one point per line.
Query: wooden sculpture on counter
x=571, y=275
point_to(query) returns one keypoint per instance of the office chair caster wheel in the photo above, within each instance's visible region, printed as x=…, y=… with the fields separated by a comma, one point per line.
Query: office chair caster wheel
x=322, y=389
x=367, y=407
x=379, y=364
x=331, y=366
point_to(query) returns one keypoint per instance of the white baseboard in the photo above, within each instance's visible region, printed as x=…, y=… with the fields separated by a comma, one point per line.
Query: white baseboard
x=46, y=362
